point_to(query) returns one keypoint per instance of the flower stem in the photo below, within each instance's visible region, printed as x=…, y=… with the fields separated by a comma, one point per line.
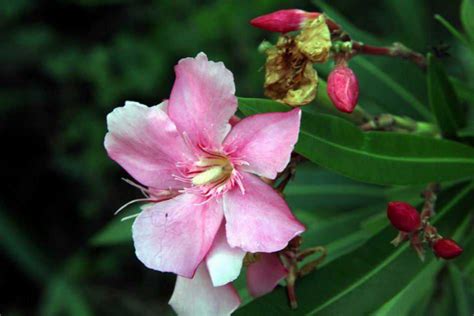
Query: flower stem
x=430, y=194
x=390, y=122
x=396, y=50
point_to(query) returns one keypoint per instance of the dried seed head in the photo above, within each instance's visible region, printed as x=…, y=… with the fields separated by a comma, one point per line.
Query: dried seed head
x=289, y=76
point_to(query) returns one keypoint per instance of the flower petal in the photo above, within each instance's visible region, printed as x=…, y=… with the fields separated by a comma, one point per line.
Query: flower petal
x=175, y=235
x=145, y=142
x=263, y=276
x=199, y=297
x=202, y=100
x=258, y=220
x=224, y=262
x=265, y=141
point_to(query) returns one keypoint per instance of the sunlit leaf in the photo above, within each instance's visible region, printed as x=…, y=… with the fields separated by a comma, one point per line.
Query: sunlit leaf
x=374, y=157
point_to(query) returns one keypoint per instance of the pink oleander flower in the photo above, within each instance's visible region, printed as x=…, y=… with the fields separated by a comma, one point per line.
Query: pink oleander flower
x=199, y=296
x=283, y=21
x=202, y=174
x=343, y=88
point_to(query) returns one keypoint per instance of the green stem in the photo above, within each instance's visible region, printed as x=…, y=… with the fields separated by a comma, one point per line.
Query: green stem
x=390, y=122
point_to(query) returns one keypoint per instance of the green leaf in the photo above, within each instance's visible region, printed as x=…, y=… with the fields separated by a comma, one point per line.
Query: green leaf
x=462, y=302
x=375, y=270
x=467, y=14
x=345, y=232
x=408, y=98
x=443, y=99
x=452, y=30
x=119, y=229
x=413, y=293
x=322, y=194
x=412, y=19
x=62, y=297
x=373, y=157
x=388, y=84
x=464, y=92
x=16, y=244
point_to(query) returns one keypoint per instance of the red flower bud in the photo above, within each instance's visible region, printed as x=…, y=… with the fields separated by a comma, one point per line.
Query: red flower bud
x=403, y=216
x=283, y=21
x=343, y=88
x=447, y=248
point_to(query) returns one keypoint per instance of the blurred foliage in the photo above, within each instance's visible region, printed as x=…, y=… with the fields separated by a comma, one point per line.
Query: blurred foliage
x=65, y=64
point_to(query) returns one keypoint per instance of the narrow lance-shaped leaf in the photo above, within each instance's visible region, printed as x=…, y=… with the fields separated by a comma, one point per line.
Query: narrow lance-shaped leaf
x=393, y=84
x=377, y=270
x=443, y=99
x=119, y=229
x=454, y=32
x=374, y=157
x=464, y=92
x=467, y=14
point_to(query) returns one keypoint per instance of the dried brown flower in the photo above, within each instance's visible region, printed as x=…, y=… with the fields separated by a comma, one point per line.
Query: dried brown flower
x=289, y=74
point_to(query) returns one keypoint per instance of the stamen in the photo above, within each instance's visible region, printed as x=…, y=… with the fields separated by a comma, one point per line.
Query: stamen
x=143, y=189
x=210, y=175
x=132, y=202
x=129, y=217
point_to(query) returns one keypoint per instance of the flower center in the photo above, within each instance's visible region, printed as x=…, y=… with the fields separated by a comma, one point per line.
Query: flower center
x=215, y=170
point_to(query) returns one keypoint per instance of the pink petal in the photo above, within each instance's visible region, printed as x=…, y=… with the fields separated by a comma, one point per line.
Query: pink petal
x=265, y=274
x=258, y=220
x=199, y=297
x=265, y=141
x=145, y=142
x=202, y=100
x=175, y=235
x=223, y=262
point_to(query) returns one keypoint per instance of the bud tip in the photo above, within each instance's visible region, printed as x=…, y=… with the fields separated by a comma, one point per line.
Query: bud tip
x=283, y=21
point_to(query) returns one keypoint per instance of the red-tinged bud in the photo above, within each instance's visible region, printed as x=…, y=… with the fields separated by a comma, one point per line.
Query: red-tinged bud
x=343, y=88
x=403, y=216
x=446, y=248
x=283, y=21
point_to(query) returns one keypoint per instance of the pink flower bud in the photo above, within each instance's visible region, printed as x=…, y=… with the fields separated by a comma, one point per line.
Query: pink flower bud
x=446, y=248
x=343, y=88
x=283, y=21
x=403, y=216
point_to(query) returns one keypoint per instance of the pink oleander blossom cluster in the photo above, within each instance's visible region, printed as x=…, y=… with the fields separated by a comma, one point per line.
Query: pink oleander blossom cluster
x=207, y=205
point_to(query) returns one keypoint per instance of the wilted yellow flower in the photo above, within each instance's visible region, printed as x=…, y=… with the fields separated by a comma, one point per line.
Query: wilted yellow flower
x=289, y=75
x=314, y=41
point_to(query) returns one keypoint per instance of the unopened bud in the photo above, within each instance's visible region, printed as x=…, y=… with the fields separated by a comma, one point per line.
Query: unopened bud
x=343, y=88
x=403, y=216
x=446, y=248
x=283, y=21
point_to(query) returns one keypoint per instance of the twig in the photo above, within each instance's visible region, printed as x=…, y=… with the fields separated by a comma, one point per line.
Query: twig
x=396, y=50
x=430, y=194
x=390, y=122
